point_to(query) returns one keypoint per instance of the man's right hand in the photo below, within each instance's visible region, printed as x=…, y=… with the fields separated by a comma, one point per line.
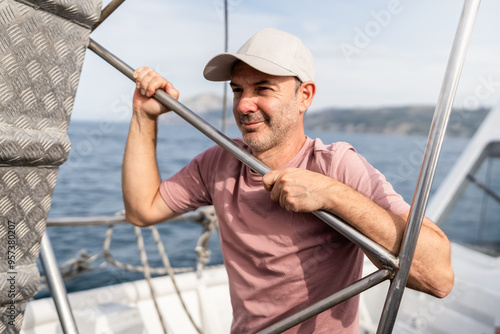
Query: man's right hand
x=147, y=82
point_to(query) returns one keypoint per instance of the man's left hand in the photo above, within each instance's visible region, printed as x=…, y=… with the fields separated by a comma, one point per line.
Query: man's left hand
x=298, y=190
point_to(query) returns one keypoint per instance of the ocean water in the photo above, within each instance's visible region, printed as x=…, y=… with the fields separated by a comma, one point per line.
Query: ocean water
x=89, y=184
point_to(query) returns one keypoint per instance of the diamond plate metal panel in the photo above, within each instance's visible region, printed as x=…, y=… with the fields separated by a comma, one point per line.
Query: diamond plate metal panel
x=42, y=48
x=12, y=313
x=25, y=198
x=85, y=13
x=41, y=56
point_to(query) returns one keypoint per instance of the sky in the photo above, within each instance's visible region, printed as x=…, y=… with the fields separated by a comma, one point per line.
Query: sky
x=368, y=53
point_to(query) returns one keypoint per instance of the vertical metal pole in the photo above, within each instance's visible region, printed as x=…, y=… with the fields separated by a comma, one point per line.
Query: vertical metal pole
x=431, y=156
x=110, y=8
x=338, y=297
x=224, y=95
x=56, y=286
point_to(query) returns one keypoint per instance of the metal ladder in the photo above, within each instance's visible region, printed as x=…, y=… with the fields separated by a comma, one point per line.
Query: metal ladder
x=396, y=268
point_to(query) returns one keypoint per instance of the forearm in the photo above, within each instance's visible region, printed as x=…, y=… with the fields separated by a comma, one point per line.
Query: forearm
x=140, y=176
x=366, y=216
x=300, y=190
x=431, y=267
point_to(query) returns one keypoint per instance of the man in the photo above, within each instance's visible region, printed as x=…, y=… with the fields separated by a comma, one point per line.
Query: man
x=279, y=257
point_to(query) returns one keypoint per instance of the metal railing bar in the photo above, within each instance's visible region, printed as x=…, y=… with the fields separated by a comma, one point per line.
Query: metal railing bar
x=431, y=156
x=113, y=220
x=107, y=11
x=56, y=286
x=348, y=292
x=368, y=245
x=85, y=221
x=226, y=43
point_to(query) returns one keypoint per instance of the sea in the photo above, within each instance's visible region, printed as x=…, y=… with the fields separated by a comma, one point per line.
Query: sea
x=89, y=184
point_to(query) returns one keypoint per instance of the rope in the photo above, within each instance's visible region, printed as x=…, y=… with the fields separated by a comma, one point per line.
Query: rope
x=75, y=267
x=167, y=265
x=125, y=266
x=82, y=262
x=147, y=274
x=80, y=265
x=209, y=223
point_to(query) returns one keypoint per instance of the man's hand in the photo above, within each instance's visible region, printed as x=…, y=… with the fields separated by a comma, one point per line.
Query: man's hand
x=298, y=190
x=147, y=82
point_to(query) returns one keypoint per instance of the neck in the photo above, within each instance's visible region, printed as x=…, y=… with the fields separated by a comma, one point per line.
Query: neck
x=279, y=155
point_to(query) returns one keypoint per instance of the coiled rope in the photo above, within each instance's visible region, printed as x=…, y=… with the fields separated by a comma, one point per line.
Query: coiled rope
x=208, y=221
x=82, y=263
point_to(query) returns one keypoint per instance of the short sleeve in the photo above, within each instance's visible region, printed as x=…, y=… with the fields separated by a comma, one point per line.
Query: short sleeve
x=355, y=171
x=189, y=188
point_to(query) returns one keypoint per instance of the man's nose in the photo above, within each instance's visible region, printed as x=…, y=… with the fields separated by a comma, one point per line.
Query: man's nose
x=246, y=104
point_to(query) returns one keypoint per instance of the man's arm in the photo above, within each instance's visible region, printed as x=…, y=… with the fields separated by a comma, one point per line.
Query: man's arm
x=140, y=177
x=300, y=190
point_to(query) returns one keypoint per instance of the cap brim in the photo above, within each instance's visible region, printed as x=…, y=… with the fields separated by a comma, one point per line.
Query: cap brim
x=219, y=68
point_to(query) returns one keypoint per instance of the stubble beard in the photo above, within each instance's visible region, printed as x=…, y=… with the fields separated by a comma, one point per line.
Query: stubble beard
x=275, y=133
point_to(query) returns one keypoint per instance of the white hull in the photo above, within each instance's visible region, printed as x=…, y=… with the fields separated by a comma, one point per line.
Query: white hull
x=128, y=307
x=472, y=307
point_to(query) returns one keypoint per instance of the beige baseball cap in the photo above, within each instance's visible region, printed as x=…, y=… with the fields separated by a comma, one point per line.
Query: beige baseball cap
x=270, y=51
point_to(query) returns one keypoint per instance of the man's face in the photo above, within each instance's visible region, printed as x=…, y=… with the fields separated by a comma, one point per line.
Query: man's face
x=264, y=106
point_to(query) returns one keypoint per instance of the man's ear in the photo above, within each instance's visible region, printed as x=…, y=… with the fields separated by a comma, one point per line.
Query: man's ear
x=306, y=95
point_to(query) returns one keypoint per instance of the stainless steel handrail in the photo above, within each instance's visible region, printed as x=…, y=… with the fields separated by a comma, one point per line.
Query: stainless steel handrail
x=422, y=191
x=348, y=292
x=368, y=245
x=114, y=220
x=428, y=169
x=107, y=11
x=56, y=286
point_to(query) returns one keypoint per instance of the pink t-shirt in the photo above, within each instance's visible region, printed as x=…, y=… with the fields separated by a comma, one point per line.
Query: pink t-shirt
x=280, y=262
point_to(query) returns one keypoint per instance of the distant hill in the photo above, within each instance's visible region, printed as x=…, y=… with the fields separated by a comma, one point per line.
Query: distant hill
x=208, y=106
x=402, y=120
